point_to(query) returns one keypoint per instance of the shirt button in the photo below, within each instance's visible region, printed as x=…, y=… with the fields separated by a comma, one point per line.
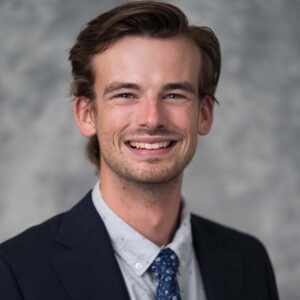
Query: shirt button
x=138, y=265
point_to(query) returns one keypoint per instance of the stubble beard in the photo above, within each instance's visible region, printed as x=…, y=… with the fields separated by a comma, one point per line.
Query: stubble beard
x=154, y=176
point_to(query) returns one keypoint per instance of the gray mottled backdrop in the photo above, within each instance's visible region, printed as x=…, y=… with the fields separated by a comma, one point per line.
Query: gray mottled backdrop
x=246, y=172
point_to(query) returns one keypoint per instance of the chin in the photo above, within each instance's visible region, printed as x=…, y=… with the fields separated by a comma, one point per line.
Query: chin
x=157, y=176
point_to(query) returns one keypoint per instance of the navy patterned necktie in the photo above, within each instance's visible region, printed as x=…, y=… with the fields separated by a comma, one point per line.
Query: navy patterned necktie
x=165, y=267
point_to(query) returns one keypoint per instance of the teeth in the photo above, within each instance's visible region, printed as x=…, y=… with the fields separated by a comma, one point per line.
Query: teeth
x=149, y=146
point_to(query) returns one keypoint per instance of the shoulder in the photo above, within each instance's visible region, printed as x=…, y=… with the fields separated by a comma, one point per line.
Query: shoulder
x=41, y=240
x=225, y=237
x=239, y=256
x=29, y=261
x=33, y=240
x=25, y=257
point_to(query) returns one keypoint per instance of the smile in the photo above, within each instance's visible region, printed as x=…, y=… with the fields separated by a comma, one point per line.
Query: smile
x=150, y=146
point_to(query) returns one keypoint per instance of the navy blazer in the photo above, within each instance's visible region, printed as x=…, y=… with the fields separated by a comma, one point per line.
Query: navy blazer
x=71, y=257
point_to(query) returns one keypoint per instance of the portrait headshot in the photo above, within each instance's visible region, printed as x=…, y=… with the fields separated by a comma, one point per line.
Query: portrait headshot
x=149, y=150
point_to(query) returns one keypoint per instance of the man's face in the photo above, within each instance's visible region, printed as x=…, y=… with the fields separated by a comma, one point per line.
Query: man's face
x=148, y=113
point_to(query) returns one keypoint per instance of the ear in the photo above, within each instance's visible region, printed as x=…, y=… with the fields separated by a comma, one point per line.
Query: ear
x=84, y=116
x=205, y=121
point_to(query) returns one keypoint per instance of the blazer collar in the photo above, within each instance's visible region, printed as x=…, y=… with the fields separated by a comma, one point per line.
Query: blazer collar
x=87, y=267
x=220, y=262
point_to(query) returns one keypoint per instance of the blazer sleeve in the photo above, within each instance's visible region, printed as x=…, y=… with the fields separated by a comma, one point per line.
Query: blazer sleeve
x=9, y=288
x=261, y=274
x=271, y=277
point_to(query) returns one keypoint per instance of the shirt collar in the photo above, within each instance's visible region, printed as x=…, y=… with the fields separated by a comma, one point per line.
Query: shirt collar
x=128, y=243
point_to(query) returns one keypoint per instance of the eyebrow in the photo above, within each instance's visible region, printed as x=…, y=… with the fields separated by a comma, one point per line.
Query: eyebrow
x=115, y=86
x=185, y=86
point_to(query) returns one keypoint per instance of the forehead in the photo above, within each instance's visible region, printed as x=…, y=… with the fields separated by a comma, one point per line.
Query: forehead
x=147, y=59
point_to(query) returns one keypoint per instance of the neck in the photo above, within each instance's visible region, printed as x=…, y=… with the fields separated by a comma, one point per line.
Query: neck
x=152, y=209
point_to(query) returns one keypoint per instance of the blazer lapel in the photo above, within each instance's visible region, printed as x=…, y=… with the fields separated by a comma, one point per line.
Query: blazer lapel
x=87, y=267
x=220, y=264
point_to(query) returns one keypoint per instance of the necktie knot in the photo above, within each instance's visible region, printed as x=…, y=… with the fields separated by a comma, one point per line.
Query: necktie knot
x=166, y=263
x=165, y=267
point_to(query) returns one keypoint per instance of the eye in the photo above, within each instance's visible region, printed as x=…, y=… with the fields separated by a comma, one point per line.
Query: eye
x=125, y=95
x=174, y=96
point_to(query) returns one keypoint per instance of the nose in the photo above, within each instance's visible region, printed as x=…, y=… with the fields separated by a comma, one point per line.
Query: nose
x=150, y=113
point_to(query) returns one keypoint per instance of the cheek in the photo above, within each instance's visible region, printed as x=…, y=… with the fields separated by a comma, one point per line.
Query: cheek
x=112, y=121
x=185, y=118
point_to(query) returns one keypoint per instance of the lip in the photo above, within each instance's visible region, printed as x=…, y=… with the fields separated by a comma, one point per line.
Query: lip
x=151, y=153
x=151, y=139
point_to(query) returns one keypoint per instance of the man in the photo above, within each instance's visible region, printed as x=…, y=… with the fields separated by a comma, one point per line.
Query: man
x=143, y=85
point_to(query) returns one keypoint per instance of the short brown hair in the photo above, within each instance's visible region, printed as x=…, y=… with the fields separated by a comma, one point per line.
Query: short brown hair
x=150, y=18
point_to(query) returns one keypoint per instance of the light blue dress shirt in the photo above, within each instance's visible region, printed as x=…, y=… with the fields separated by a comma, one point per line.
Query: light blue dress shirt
x=135, y=254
